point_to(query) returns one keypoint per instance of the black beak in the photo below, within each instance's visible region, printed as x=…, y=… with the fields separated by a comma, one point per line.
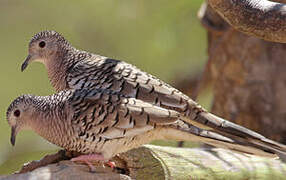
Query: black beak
x=25, y=63
x=13, y=135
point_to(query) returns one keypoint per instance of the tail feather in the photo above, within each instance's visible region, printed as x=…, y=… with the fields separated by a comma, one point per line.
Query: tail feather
x=230, y=128
x=197, y=116
x=236, y=138
x=226, y=126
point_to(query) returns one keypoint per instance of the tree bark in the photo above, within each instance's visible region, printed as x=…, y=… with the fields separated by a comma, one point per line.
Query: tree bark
x=260, y=18
x=155, y=162
x=248, y=77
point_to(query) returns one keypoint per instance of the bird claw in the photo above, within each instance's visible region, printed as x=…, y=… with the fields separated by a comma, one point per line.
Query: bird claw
x=91, y=166
x=93, y=157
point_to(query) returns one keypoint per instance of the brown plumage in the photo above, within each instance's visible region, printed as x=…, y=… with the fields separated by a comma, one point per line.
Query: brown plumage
x=70, y=68
x=105, y=122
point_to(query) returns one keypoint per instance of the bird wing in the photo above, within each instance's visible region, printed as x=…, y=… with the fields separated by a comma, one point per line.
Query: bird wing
x=130, y=81
x=109, y=115
x=105, y=115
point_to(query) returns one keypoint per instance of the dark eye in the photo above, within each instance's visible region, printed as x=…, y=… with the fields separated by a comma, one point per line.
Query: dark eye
x=17, y=113
x=42, y=44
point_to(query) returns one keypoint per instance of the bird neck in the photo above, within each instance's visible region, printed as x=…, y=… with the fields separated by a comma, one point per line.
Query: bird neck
x=48, y=118
x=57, y=67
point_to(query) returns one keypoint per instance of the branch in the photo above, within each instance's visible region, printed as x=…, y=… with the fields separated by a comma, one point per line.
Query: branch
x=155, y=162
x=261, y=18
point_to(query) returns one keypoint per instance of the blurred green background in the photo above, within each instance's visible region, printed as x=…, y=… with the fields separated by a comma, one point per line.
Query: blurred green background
x=162, y=37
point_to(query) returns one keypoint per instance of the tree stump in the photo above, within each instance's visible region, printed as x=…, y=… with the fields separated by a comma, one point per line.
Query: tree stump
x=248, y=73
x=156, y=162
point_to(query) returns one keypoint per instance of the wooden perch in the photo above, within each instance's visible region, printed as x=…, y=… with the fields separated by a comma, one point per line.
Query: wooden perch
x=261, y=18
x=155, y=162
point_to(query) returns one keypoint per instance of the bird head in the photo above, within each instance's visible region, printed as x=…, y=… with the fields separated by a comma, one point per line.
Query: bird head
x=18, y=115
x=44, y=46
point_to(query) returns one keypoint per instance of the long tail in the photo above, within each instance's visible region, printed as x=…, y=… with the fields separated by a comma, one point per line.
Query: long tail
x=226, y=134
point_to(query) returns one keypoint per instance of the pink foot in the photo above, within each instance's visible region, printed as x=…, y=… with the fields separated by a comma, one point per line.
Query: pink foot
x=111, y=164
x=92, y=157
